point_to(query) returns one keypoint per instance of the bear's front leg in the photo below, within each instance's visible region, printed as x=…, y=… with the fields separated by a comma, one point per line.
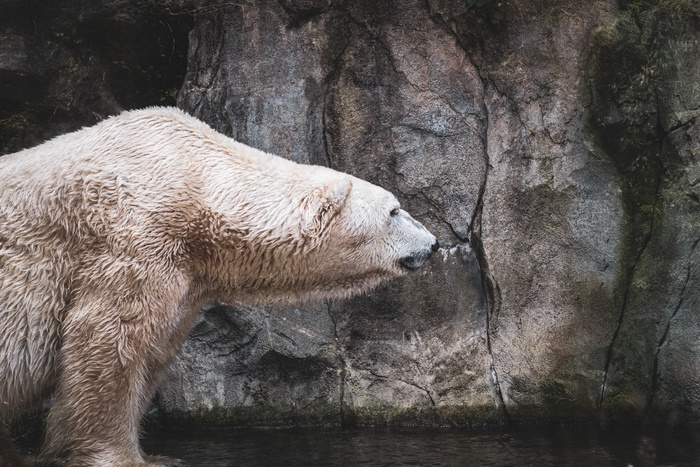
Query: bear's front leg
x=109, y=368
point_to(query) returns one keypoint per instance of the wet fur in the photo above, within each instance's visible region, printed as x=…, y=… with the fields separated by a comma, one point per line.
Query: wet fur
x=112, y=237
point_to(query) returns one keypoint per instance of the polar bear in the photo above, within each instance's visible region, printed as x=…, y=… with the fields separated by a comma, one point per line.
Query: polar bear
x=112, y=237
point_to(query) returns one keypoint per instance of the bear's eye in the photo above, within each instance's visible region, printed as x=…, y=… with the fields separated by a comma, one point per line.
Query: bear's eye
x=394, y=212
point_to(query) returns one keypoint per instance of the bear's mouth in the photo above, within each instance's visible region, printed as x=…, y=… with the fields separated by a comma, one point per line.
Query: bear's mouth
x=416, y=260
x=412, y=263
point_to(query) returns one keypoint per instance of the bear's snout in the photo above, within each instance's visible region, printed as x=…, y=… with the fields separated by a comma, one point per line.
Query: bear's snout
x=421, y=243
x=416, y=260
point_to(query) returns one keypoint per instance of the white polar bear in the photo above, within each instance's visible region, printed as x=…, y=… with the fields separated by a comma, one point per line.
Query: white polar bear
x=112, y=237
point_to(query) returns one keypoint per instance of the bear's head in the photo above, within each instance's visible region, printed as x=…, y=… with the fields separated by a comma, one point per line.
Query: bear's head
x=278, y=230
x=298, y=232
x=358, y=231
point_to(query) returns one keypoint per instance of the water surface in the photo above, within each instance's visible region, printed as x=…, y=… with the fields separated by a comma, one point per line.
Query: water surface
x=560, y=446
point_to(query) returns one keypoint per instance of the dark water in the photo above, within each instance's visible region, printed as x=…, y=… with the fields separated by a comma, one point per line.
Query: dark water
x=561, y=446
x=568, y=446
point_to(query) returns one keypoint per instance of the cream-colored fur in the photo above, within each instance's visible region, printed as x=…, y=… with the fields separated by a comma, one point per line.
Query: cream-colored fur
x=112, y=237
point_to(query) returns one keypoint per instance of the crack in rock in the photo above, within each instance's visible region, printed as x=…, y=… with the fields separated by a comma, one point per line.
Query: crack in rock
x=631, y=270
x=474, y=232
x=655, y=374
x=488, y=282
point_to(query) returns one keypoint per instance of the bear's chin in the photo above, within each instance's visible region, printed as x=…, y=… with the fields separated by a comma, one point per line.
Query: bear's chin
x=358, y=286
x=409, y=266
x=412, y=263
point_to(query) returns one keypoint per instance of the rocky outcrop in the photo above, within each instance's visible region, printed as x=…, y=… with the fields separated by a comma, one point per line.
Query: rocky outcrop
x=551, y=146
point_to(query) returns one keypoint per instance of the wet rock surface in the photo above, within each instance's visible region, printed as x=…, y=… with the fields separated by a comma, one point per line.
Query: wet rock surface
x=552, y=147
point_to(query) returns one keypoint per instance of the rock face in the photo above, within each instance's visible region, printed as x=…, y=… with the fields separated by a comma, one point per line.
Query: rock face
x=69, y=63
x=553, y=147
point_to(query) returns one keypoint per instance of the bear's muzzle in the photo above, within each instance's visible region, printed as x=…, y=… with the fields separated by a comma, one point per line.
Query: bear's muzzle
x=417, y=260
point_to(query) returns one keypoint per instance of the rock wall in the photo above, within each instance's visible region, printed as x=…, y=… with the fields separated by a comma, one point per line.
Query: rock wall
x=553, y=147
x=65, y=64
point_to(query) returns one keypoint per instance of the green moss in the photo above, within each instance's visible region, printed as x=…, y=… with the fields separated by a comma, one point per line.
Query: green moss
x=425, y=416
x=662, y=8
x=621, y=407
x=321, y=414
x=623, y=120
x=255, y=416
x=629, y=71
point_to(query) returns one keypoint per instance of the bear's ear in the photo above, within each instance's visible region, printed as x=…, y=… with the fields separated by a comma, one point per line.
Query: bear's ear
x=322, y=204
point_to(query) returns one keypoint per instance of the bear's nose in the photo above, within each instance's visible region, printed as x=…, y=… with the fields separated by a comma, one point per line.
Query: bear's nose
x=435, y=247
